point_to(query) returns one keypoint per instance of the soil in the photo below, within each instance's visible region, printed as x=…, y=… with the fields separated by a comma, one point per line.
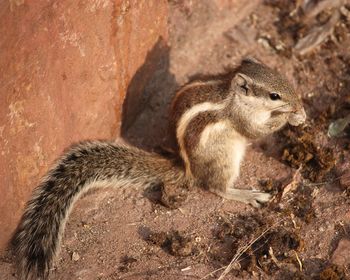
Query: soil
x=192, y=234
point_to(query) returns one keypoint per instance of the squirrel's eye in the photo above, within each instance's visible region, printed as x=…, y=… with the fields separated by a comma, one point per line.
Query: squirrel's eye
x=245, y=88
x=274, y=96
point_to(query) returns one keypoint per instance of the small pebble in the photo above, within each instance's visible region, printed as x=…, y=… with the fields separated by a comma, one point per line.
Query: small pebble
x=341, y=254
x=75, y=256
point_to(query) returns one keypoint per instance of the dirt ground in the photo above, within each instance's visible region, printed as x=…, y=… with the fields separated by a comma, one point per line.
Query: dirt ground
x=304, y=232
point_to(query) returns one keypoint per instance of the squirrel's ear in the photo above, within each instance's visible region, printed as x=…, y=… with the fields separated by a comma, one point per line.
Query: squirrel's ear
x=240, y=83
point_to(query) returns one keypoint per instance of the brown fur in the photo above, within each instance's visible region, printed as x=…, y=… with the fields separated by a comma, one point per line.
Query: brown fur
x=212, y=120
x=215, y=119
x=196, y=127
x=88, y=164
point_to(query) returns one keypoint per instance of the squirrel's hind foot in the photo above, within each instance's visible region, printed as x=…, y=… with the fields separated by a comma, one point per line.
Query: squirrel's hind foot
x=252, y=197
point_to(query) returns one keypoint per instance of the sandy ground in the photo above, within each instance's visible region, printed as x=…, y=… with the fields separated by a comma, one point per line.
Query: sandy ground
x=128, y=234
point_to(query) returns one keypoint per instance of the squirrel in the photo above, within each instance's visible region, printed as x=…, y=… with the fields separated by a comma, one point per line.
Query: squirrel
x=213, y=122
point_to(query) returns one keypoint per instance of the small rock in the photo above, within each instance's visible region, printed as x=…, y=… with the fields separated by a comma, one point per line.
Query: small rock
x=266, y=43
x=75, y=256
x=341, y=254
x=345, y=12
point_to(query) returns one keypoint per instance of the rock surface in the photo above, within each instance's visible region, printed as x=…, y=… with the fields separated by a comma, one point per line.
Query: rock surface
x=65, y=69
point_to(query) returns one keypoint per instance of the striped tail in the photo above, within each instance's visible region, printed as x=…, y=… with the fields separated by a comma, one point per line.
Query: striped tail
x=37, y=238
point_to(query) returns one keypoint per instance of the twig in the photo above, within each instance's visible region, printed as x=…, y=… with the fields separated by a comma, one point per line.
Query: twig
x=317, y=35
x=273, y=257
x=299, y=261
x=297, y=178
x=326, y=182
x=211, y=273
x=313, y=8
x=241, y=251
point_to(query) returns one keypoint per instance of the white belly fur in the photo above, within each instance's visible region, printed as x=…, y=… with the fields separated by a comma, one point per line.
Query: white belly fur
x=219, y=137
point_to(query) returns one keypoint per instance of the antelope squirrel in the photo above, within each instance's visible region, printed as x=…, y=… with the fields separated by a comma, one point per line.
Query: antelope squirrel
x=213, y=120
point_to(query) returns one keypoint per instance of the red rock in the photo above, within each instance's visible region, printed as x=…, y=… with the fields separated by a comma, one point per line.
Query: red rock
x=65, y=68
x=340, y=256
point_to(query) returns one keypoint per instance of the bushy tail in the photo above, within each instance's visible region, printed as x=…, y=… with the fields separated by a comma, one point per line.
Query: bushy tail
x=37, y=239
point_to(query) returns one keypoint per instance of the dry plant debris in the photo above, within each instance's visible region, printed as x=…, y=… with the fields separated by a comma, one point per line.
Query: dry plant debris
x=301, y=152
x=176, y=243
x=256, y=244
x=332, y=272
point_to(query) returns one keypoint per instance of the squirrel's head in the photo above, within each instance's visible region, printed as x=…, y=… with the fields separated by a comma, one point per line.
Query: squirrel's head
x=265, y=98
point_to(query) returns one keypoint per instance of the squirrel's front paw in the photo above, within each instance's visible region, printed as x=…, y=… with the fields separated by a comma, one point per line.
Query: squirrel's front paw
x=297, y=118
x=252, y=197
